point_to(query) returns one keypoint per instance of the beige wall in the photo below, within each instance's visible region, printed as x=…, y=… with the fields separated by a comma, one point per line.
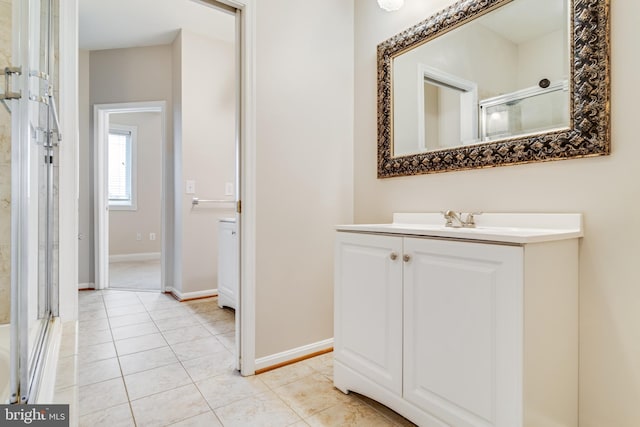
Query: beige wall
x=5, y=173
x=605, y=189
x=207, y=141
x=304, y=107
x=125, y=224
x=117, y=76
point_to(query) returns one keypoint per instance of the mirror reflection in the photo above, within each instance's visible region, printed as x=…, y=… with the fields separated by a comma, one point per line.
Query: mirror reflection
x=501, y=75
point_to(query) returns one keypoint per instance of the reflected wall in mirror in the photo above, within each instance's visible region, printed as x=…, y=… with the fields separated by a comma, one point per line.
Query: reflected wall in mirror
x=494, y=82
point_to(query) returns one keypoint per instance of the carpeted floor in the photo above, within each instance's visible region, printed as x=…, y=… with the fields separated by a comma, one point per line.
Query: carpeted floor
x=138, y=275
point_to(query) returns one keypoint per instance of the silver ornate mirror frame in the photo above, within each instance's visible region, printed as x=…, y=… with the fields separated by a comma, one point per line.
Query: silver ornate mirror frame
x=588, y=133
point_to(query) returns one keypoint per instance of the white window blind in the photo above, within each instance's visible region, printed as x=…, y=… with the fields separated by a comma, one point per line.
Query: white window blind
x=120, y=167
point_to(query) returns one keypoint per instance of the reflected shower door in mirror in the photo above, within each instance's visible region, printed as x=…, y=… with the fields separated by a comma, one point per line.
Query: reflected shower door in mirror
x=502, y=75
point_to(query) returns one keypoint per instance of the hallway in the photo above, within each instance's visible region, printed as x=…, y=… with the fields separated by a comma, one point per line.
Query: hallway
x=146, y=359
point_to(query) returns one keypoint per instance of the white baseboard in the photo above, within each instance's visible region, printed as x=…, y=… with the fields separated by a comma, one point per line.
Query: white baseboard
x=89, y=285
x=294, y=353
x=148, y=256
x=180, y=296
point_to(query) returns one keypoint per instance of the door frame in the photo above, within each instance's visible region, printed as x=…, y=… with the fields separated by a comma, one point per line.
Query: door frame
x=247, y=171
x=101, y=202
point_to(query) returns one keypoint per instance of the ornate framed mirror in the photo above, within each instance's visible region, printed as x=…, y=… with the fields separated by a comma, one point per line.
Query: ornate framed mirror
x=487, y=83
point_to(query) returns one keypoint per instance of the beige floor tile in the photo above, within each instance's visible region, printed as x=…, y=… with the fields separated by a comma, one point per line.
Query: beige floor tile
x=122, y=301
x=160, y=305
x=215, y=315
x=92, y=315
x=208, y=419
x=208, y=305
x=286, y=374
x=310, y=395
x=145, y=360
x=90, y=307
x=197, y=348
x=119, y=416
x=220, y=326
x=93, y=353
x=92, y=326
x=176, y=322
x=130, y=331
x=100, y=337
x=169, y=407
x=89, y=297
x=218, y=363
x=228, y=340
x=189, y=333
x=322, y=364
x=103, y=395
x=129, y=309
x=396, y=418
x=137, y=344
x=96, y=372
x=169, y=313
x=262, y=410
x=156, y=380
x=129, y=319
x=300, y=424
x=225, y=389
x=351, y=414
x=115, y=294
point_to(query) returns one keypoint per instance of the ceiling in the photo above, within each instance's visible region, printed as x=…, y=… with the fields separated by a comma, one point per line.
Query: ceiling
x=112, y=24
x=524, y=20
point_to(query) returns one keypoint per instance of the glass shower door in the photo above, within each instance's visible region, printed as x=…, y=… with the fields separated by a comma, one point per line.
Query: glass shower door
x=29, y=97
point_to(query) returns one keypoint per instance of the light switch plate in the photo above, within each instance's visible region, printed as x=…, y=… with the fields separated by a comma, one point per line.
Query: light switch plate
x=191, y=187
x=228, y=189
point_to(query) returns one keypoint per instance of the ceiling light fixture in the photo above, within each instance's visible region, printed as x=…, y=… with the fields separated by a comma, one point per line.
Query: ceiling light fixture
x=390, y=5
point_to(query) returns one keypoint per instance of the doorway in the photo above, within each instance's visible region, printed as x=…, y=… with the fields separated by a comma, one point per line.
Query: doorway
x=174, y=255
x=132, y=153
x=130, y=195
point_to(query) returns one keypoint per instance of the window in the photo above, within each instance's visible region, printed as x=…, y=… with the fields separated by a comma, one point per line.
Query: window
x=122, y=167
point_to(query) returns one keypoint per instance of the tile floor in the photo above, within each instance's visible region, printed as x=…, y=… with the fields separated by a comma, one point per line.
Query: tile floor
x=135, y=275
x=146, y=359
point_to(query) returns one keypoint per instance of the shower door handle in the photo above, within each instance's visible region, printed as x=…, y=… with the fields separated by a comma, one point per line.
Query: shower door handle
x=8, y=93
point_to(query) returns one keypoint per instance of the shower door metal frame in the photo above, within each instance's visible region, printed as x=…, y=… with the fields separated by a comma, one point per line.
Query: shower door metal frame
x=25, y=363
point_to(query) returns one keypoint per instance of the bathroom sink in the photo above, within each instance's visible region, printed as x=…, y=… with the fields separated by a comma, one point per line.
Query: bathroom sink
x=493, y=227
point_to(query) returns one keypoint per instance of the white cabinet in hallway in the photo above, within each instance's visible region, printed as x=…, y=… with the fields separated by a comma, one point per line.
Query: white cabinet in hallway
x=459, y=332
x=227, y=263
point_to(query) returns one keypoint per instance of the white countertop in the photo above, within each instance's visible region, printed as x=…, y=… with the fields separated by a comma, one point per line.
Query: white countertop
x=519, y=228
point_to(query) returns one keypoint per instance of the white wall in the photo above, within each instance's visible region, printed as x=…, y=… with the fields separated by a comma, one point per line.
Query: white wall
x=207, y=141
x=116, y=76
x=304, y=108
x=125, y=224
x=605, y=189
x=85, y=206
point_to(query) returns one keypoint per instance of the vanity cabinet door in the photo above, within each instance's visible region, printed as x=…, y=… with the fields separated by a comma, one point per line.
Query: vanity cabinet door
x=463, y=307
x=368, y=307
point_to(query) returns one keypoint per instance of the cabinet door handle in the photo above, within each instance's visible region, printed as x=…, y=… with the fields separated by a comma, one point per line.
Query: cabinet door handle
x=393, y=256
x=406, y=258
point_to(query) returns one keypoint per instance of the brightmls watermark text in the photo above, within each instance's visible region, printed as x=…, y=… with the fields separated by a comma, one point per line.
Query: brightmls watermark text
x=34, y=415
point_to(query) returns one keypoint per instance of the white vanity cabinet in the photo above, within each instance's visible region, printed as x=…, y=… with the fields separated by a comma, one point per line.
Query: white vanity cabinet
x=456, y=332
x=227, y=263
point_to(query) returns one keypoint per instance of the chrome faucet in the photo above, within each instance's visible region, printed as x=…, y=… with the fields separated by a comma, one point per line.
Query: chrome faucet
x=454, y=219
